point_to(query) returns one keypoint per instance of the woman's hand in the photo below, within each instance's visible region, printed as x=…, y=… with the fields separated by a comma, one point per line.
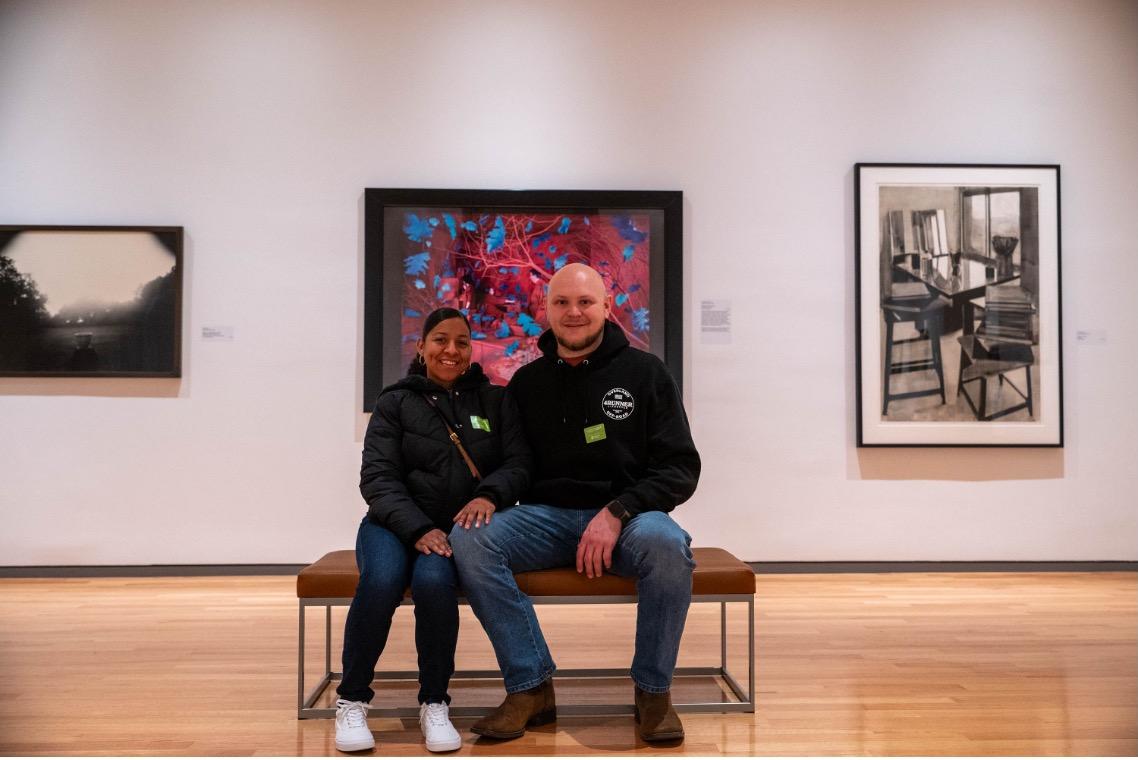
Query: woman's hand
x=434, y=541
x=476, y=512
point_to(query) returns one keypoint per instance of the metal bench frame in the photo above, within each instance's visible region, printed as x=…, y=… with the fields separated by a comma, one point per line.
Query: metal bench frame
x=745, y=699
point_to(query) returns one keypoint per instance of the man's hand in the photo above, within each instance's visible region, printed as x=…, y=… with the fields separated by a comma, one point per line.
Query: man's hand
x=477, y=511
x=434, y=541
x=597, y=543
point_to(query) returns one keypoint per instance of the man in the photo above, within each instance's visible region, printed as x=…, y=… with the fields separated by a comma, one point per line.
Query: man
x=613, y=454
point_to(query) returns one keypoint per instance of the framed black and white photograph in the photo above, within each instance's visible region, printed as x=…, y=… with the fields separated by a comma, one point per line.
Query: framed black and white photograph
x=958, y=318
x=491, y=254
x=90, y=301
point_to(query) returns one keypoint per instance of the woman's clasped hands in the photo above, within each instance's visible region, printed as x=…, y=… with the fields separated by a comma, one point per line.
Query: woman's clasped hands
x=476, y=512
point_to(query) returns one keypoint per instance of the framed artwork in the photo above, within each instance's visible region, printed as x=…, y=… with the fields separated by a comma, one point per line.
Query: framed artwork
x=491, y=253
x=90, y=301
x=957, y=313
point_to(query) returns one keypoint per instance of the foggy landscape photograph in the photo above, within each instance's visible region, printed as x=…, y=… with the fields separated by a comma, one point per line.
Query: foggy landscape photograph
x=90, y=301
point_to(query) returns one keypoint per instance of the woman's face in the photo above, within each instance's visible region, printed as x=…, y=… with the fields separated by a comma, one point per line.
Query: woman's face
x=446, y=351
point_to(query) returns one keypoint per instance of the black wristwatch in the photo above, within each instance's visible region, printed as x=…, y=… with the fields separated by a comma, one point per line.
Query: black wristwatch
x=618, y=510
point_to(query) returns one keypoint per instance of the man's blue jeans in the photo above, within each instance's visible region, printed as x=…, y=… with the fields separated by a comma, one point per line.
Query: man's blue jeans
x=652, y=548
x=386, y=567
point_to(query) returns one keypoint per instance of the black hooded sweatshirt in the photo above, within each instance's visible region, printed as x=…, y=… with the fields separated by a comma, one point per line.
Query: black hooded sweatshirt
x=612, y=427
x=413, y=477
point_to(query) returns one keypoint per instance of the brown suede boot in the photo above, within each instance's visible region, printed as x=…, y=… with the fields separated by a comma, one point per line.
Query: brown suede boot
x=656, y=717
x=532, y=707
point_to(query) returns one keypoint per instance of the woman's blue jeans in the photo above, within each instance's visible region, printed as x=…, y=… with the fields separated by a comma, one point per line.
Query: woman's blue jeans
x=652, y=548
x=387, y=566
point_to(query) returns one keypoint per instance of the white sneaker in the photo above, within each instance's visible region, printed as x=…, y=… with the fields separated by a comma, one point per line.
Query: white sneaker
x=352, y=733
x=434, y=719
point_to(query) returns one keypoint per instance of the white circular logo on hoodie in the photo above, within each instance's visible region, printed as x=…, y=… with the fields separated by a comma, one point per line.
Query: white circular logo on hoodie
x=618, y=404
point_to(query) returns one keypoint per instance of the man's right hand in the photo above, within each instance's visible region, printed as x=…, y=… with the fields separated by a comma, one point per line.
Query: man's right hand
x=594, y=551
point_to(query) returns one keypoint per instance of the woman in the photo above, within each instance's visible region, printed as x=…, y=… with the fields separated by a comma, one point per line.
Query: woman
x=418, y=483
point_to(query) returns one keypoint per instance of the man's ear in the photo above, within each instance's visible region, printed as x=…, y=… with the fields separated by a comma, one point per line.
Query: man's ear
x=608, y=305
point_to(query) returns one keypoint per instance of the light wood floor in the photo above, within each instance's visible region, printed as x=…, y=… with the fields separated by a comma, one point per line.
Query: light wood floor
x=914, y=664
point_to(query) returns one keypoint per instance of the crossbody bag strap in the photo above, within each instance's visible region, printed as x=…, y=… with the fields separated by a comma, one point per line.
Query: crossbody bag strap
x=454, y=438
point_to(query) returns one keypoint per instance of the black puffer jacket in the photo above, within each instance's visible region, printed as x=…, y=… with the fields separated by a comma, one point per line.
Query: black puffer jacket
x=414, y=479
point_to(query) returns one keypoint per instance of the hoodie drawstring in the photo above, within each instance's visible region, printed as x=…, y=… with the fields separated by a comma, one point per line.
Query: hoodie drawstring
x=580, y=390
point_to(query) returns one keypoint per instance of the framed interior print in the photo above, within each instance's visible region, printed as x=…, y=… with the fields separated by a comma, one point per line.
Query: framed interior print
x=90, y=301
x=958, y=318
x=491, y=253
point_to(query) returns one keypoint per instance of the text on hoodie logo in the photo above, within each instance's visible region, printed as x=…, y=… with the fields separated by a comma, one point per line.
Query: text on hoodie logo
x=618, y=404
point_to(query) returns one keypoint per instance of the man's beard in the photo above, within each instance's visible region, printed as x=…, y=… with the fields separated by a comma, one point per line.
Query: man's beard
x=580, y=345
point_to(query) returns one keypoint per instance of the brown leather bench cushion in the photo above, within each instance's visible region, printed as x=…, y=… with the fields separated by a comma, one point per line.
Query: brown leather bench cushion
x=717, y=571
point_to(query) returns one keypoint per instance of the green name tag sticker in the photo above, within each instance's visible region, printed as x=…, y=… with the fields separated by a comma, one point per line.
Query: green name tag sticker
x=595, y=433
x=479, y=423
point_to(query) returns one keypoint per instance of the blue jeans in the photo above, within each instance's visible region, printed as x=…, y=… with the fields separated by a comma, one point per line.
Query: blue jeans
x=386, y=567
x=652, y=548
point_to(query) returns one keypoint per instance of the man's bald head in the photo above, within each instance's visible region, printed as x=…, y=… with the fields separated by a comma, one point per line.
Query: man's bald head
x=578, y=306
x=582, y=276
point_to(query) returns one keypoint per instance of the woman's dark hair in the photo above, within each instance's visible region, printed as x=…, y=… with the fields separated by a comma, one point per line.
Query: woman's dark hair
x=430, y=323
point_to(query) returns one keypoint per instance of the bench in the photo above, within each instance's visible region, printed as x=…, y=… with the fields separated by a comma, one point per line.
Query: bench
x=718, y=578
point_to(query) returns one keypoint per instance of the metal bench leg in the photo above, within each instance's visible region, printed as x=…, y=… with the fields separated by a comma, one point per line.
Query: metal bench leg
x=300, y=668
x=327, y=639
x=723, y=636
x=747, y=697
x=305, y=702
x=751, y=652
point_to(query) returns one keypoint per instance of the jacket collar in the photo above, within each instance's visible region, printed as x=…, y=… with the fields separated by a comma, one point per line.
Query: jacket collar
x=471, y=379
x=614, y=340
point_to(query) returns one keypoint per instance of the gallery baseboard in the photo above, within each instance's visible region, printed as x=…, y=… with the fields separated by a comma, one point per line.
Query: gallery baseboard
x=143, y=571
x=762, y=568
x=995, y=566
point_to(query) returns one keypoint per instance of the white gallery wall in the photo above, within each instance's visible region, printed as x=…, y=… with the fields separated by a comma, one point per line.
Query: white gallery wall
x=257, y=125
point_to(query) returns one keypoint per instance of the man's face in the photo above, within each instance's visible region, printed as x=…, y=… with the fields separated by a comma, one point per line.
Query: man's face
x=577, y=309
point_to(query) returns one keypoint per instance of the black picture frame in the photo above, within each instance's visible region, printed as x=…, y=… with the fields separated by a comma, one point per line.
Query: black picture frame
x=91, y=301
x=464, y=223
x=964, y=258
